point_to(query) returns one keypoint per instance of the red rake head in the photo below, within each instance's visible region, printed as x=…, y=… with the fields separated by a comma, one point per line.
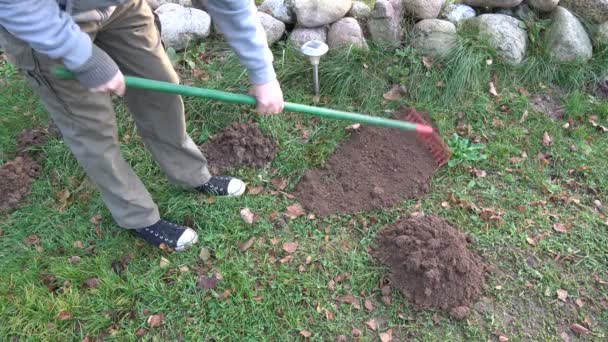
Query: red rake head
x=438, y=148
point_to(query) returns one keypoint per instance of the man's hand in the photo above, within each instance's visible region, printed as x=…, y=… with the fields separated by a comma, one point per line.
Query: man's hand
x=269, y=96
x=116, y=85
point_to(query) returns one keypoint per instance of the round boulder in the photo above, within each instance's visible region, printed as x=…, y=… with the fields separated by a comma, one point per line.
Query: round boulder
x=434, y=37
x=456, y=13
x=279, y=9
x=274, y=28
x=182, y=25
x=301, y=35
x=602, y=34
x=596, y=10
x=543, y=5
x=567, y=39
x=360, y=10
x=505, y=34
x=493, y=3
x=385, y=24
x=424, y=9
x=314, y=13
x=346, y=32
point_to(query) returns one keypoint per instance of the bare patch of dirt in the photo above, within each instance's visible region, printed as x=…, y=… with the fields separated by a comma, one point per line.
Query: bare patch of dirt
x=601, y=89
x=550, y=105
x=16, y=179
x=430, y=263
x=239, y=145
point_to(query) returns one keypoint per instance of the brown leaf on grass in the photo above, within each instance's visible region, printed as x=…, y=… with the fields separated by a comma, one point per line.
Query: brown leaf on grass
x=547, y=139
x=428, y=62
x=32, y=240
x=248, y=216
x=211, y=199
x=353, y=127
x=64, y=315
x=279, y=183
x=224, y=294
x=256, y=191
x=560, y=228
x=295, y=210
x=493, y=90
x=440, y=84
x=91, y=283
x=356, y=332
x=74, y=259
x=533, y=240
x=579, y=329
x=290, y=247
x=330, y=316
x=305, y=333
x=349, y=299
x=562, y=294
x=156, y=320
x=387, y=336
x=141, y=332
x=286, y=259
x=164, y=262
x=524, y=117
x=369, y=305
x=372, y=324
x=207, y=283
x=204, y=254
x=593, y=120
x=1, y=232
x=579, y=302
x=308, y=260
x=331, y=285
x=502, y=338
x=78, y=244
x=247, y=244
x=480, y=173
x=395, y=93
x=489, y=214
x=342, y=277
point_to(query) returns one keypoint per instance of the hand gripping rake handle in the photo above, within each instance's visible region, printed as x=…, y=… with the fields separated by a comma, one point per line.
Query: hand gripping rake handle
x=167, y=87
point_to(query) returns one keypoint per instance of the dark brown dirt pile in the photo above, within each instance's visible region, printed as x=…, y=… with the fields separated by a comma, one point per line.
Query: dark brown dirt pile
x=239, y=145
x=430, y=264
x=376, y=168
x=16, y=179
x=31, y=137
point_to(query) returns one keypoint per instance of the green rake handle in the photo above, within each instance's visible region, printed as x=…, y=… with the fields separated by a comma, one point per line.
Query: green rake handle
x=167, y=87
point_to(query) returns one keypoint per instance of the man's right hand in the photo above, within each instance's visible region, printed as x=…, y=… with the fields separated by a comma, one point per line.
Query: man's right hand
x=116, y=85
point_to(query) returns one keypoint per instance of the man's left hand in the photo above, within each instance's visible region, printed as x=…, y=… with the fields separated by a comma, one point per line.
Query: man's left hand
x=269, y=96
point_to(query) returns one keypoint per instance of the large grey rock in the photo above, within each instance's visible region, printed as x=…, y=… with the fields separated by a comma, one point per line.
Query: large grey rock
x=423, y=9
x=359, y=10
x=596, y=10
x=274, y=28
x=434, y=37
x=157, y=3
x=385, y=24
x=602, y=34
x=567, y=39
x=505, y=34
x=182, y=26
x=543, y=5
x=279, y=9
x=301, y=35
x=314, y=13
x=456, y=13
x=523, y=12
x=492, y=3
x=346, y=32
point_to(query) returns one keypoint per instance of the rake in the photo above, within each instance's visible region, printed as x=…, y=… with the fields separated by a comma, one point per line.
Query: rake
x=426, y=134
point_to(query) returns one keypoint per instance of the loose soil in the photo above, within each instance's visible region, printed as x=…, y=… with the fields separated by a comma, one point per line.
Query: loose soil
x=430, y=264
x=239, y=145
x=31, y=137
x=16, y=179
x=601, y=89
x=376, y=168
x=550, y=105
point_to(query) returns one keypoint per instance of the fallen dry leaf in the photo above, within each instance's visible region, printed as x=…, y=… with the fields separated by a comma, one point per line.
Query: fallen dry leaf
x=308, y=260
x=353, y=127
x=356, y=332
x=329, y=315
x=533, y=240
x=156, y=320
x=248, y=216
x=305, y=333
x=524, y=117
x=279, y=183
x=247, y=244
x=428, y=62
x=78, y=244
x=91, y=283
x=440, y=84
x=579, y=329
x=369, y=305
x=207, y=283
x=502, y=338
x=64, y=315
x=164, y=262
x=387, y=336
x=395, y=93
x=256, y=190
x=372, y=324
x=184, y=269
x=290, y=247
x=224, y=294
x=74, y=259
x=205, y=254
x=547, y=139
x=560, y=228
x=349, y=299
x=593, y=120
x=579, y=302
x=562, y=295
x=32, y=240
x=286, y=259
x=141, y=332
x=295, y=210
x=331, y=285
x=493, y=90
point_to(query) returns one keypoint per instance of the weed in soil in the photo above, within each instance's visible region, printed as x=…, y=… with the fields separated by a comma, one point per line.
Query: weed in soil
x=430, y=263
x=239, y=145
x=376, y=168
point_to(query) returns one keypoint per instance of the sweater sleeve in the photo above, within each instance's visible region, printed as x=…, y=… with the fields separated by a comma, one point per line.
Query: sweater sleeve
x=238, y=21
x=52, y=32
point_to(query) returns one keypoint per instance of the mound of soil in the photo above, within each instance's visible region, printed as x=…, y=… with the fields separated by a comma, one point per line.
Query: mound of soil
x=550, y=105
x=430, y=263
x=31, y=137
x=239, y=145
x=376, y=168
x=16, y=179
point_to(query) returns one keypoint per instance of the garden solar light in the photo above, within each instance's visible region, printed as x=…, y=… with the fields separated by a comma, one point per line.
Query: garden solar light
x=314, y=49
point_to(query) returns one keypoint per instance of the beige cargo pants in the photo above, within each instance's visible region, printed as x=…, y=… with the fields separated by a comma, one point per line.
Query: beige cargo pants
x=88, y=121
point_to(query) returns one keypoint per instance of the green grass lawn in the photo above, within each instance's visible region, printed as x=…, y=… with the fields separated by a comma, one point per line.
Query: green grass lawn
x=533, y=186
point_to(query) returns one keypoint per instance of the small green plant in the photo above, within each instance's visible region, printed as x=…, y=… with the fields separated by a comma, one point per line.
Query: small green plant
x=463, y=151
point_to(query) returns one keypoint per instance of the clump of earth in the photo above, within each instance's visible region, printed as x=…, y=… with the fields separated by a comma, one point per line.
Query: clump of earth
x=430, y=263
x=239, y=145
